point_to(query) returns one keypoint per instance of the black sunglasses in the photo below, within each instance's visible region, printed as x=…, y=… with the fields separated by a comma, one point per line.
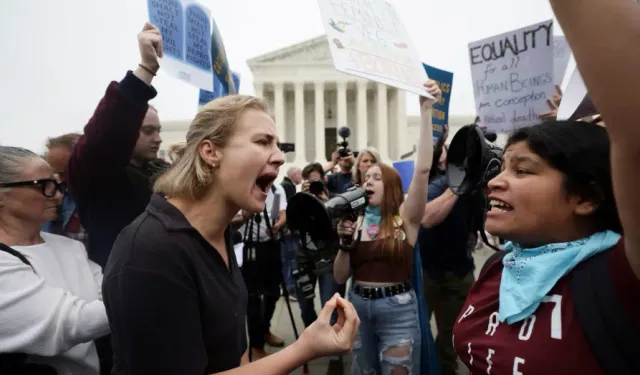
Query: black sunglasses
x=48, y=186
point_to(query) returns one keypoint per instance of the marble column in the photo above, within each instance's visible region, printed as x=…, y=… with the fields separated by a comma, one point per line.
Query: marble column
x=278, y=88
x=319, y=123
x=342, y=103
x=403, y=144
x=301, y=150
x=383, y=130
x=259, y=89
x=362, y=114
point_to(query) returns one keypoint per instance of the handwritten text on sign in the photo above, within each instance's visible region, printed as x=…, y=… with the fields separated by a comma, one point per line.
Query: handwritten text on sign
x=186, y=30
x=513, y=76
x=367, y=39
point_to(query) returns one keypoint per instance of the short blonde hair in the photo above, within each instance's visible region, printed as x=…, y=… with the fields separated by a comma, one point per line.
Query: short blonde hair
x=358, y=178
x=190, y=175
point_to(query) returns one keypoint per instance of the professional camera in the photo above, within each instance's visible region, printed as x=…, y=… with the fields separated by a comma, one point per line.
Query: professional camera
x=344, y=132
x=316, y=187
x=472, y=160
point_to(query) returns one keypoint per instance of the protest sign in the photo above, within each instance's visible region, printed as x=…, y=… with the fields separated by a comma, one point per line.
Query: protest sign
x=440, y=116
x=561, y=55
x=572, y=95
x=405, y=170
x=219, y=89
x=367, y=39
x=185, y=29
x=512, y=76
x=221, y=71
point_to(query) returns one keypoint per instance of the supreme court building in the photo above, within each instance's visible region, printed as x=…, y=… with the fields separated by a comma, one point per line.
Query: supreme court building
x=310, y=100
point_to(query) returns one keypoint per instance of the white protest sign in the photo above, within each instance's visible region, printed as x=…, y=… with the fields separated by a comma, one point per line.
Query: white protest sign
x=561, y=55
x=512, y=76
x=186, y=35
x=572, y=95
x=367, y=39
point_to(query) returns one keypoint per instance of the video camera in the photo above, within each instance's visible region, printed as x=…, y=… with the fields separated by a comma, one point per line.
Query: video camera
x=316, y=187
x=472, y=160
x=344, y=132
x=314, y=221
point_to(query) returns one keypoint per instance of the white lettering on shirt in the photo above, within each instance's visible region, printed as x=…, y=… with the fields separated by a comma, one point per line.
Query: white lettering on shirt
x=494, y=321
x=467, y=313
x=470, y=355
x=516, y=362
x=489, y=361
x=556, y=315
x=529, y=322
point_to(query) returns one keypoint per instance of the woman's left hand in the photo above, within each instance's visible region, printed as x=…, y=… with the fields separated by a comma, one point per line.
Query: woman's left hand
x=433, y=90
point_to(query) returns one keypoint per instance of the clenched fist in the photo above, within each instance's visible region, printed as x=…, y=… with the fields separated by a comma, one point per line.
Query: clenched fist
x=150, y=45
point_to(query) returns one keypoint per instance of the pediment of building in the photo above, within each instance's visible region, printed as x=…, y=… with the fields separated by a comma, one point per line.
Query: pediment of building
x=315, y=50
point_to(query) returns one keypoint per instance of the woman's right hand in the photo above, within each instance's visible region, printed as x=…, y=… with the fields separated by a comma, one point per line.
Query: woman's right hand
x=346, y=228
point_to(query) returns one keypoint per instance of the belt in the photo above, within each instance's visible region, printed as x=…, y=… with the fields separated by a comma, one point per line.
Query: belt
x=370, y=292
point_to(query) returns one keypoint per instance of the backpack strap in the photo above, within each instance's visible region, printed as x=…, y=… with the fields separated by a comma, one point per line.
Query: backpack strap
x=16, y=254
x=603, y=318
x=497, y=256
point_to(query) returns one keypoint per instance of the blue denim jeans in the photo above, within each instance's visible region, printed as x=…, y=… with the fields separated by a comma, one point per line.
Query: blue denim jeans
x=288, y=256
x=328, y=287
x=389, y=334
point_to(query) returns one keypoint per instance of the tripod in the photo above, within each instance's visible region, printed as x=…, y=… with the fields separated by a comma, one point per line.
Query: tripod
x=249, y=255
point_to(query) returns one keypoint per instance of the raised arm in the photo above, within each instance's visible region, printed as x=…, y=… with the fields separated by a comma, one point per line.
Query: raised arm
x=106, y=146
x=41, y=319
x=603, y=36
x=413, y=208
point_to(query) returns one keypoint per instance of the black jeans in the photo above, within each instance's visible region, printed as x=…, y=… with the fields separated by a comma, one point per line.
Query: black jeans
x=263, y=277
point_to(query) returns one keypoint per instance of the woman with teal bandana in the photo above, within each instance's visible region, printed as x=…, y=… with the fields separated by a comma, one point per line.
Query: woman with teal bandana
x=388, y=340
x=533, y=311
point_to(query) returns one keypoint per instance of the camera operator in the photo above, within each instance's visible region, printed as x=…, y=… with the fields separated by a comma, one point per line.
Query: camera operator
x=290, y=242
x=318, y=270
x=262, y=269
x=446, y=239
x=338, y=183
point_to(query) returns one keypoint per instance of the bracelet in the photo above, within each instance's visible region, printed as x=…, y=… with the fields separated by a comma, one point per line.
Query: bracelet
x=147, y=70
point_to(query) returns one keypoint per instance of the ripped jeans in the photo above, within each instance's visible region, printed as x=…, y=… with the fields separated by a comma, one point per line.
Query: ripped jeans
x=388, y=340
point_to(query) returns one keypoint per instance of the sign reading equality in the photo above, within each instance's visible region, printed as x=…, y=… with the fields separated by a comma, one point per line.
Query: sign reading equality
x=513, y=76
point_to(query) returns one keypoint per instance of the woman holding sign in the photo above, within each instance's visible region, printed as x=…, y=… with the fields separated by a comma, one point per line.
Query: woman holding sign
x=389, y=340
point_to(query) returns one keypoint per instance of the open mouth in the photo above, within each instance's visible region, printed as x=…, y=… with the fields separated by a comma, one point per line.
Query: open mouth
x=265, y=181
x=499, y=206
x=369, y=192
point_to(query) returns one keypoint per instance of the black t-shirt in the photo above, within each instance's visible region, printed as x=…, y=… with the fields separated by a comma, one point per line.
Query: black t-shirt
x=449, y=245
x=338, y=183
x=174, y=306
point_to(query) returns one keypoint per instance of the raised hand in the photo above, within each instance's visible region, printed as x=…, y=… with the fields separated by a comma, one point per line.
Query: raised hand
x=150, y=46
x=433, y=89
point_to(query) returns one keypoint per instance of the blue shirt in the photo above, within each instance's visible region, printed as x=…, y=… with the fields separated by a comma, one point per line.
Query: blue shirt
x=448, y=246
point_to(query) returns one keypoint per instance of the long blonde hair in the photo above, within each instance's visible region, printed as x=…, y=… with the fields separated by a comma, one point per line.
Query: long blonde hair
x=190, y=175
x=358, y=177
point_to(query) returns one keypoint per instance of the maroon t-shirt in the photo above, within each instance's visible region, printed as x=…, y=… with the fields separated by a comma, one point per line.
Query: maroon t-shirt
x=549, y=342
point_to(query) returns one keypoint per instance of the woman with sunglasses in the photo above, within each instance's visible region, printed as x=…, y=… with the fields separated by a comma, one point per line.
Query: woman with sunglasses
x=51, y=306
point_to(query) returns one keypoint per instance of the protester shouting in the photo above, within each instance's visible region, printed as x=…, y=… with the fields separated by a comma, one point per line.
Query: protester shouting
x=389, y=339
x=174, y=293
x=565, y=299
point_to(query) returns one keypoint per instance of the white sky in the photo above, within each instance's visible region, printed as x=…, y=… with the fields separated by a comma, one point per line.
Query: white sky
x=58, y=56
